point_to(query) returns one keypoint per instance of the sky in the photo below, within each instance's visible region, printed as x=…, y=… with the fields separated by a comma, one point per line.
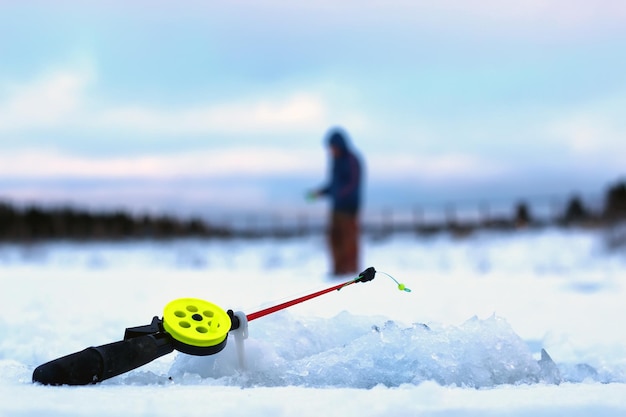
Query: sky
x=206, y=105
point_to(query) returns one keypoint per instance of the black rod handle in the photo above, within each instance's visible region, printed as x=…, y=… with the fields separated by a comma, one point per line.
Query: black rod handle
x=96, y=364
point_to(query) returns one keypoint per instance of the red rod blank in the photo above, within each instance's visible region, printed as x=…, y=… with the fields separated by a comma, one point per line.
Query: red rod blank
x=286, y=304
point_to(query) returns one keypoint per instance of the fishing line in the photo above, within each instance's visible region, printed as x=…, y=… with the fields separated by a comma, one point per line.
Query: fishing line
x=401, y=286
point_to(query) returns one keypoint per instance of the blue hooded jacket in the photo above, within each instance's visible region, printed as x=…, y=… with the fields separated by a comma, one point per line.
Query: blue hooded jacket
x=344, y=187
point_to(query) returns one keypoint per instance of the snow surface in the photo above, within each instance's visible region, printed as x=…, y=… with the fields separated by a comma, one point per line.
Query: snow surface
x=467, y=341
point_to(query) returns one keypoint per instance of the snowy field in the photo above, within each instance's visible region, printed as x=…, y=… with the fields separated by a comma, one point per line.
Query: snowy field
x=466, y=341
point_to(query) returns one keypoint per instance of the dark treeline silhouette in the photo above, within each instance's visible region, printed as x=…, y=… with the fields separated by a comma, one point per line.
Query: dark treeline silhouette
x=573, y=213
x=613, y=210
x=36, y=223
x=615, y=202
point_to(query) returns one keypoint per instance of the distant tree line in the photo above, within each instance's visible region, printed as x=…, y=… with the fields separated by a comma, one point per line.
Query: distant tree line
x=574, y=213
x=615, y=206
x=614, y=209
x=35, y=223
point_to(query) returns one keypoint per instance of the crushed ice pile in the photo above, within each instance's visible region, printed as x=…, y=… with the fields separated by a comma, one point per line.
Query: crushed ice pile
x=350, y=351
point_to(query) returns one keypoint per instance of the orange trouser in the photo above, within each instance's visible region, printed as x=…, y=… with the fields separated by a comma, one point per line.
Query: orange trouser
x=343, y=239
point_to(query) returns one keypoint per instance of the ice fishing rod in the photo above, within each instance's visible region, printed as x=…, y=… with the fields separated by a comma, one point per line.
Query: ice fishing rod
x=364, y=276
x=189, y=325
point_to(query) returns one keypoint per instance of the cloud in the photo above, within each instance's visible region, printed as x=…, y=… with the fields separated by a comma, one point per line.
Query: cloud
x=571, y=13
x=246, y=162
x=58, y=101
x=594, y=130
x=240, y=162
x=569, y=10
x=296, y=112
x=148, y=196
x=50, y=101
x=446, y=167
x=528, y=18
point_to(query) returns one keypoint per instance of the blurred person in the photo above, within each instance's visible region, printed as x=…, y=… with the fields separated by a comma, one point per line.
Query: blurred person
x=344, y=191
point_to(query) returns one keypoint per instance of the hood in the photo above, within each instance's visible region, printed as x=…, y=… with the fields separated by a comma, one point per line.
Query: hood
x=338, y=138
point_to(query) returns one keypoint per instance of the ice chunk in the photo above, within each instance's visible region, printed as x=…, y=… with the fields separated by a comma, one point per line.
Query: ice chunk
x=549, y=371
x=479, y=353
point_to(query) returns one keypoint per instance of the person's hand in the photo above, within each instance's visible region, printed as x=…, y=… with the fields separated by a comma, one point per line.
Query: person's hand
x=312, y=195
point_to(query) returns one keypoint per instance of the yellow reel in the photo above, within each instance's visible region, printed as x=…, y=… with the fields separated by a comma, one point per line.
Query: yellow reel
x=198, y=327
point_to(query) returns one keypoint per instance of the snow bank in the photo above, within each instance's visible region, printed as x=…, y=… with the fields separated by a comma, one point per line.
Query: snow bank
x=469, y=337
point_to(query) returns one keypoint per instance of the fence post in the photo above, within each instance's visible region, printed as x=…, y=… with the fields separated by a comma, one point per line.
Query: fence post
x=418, y=215
x=484, y=214
x=451, y=216
x=302, y=228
